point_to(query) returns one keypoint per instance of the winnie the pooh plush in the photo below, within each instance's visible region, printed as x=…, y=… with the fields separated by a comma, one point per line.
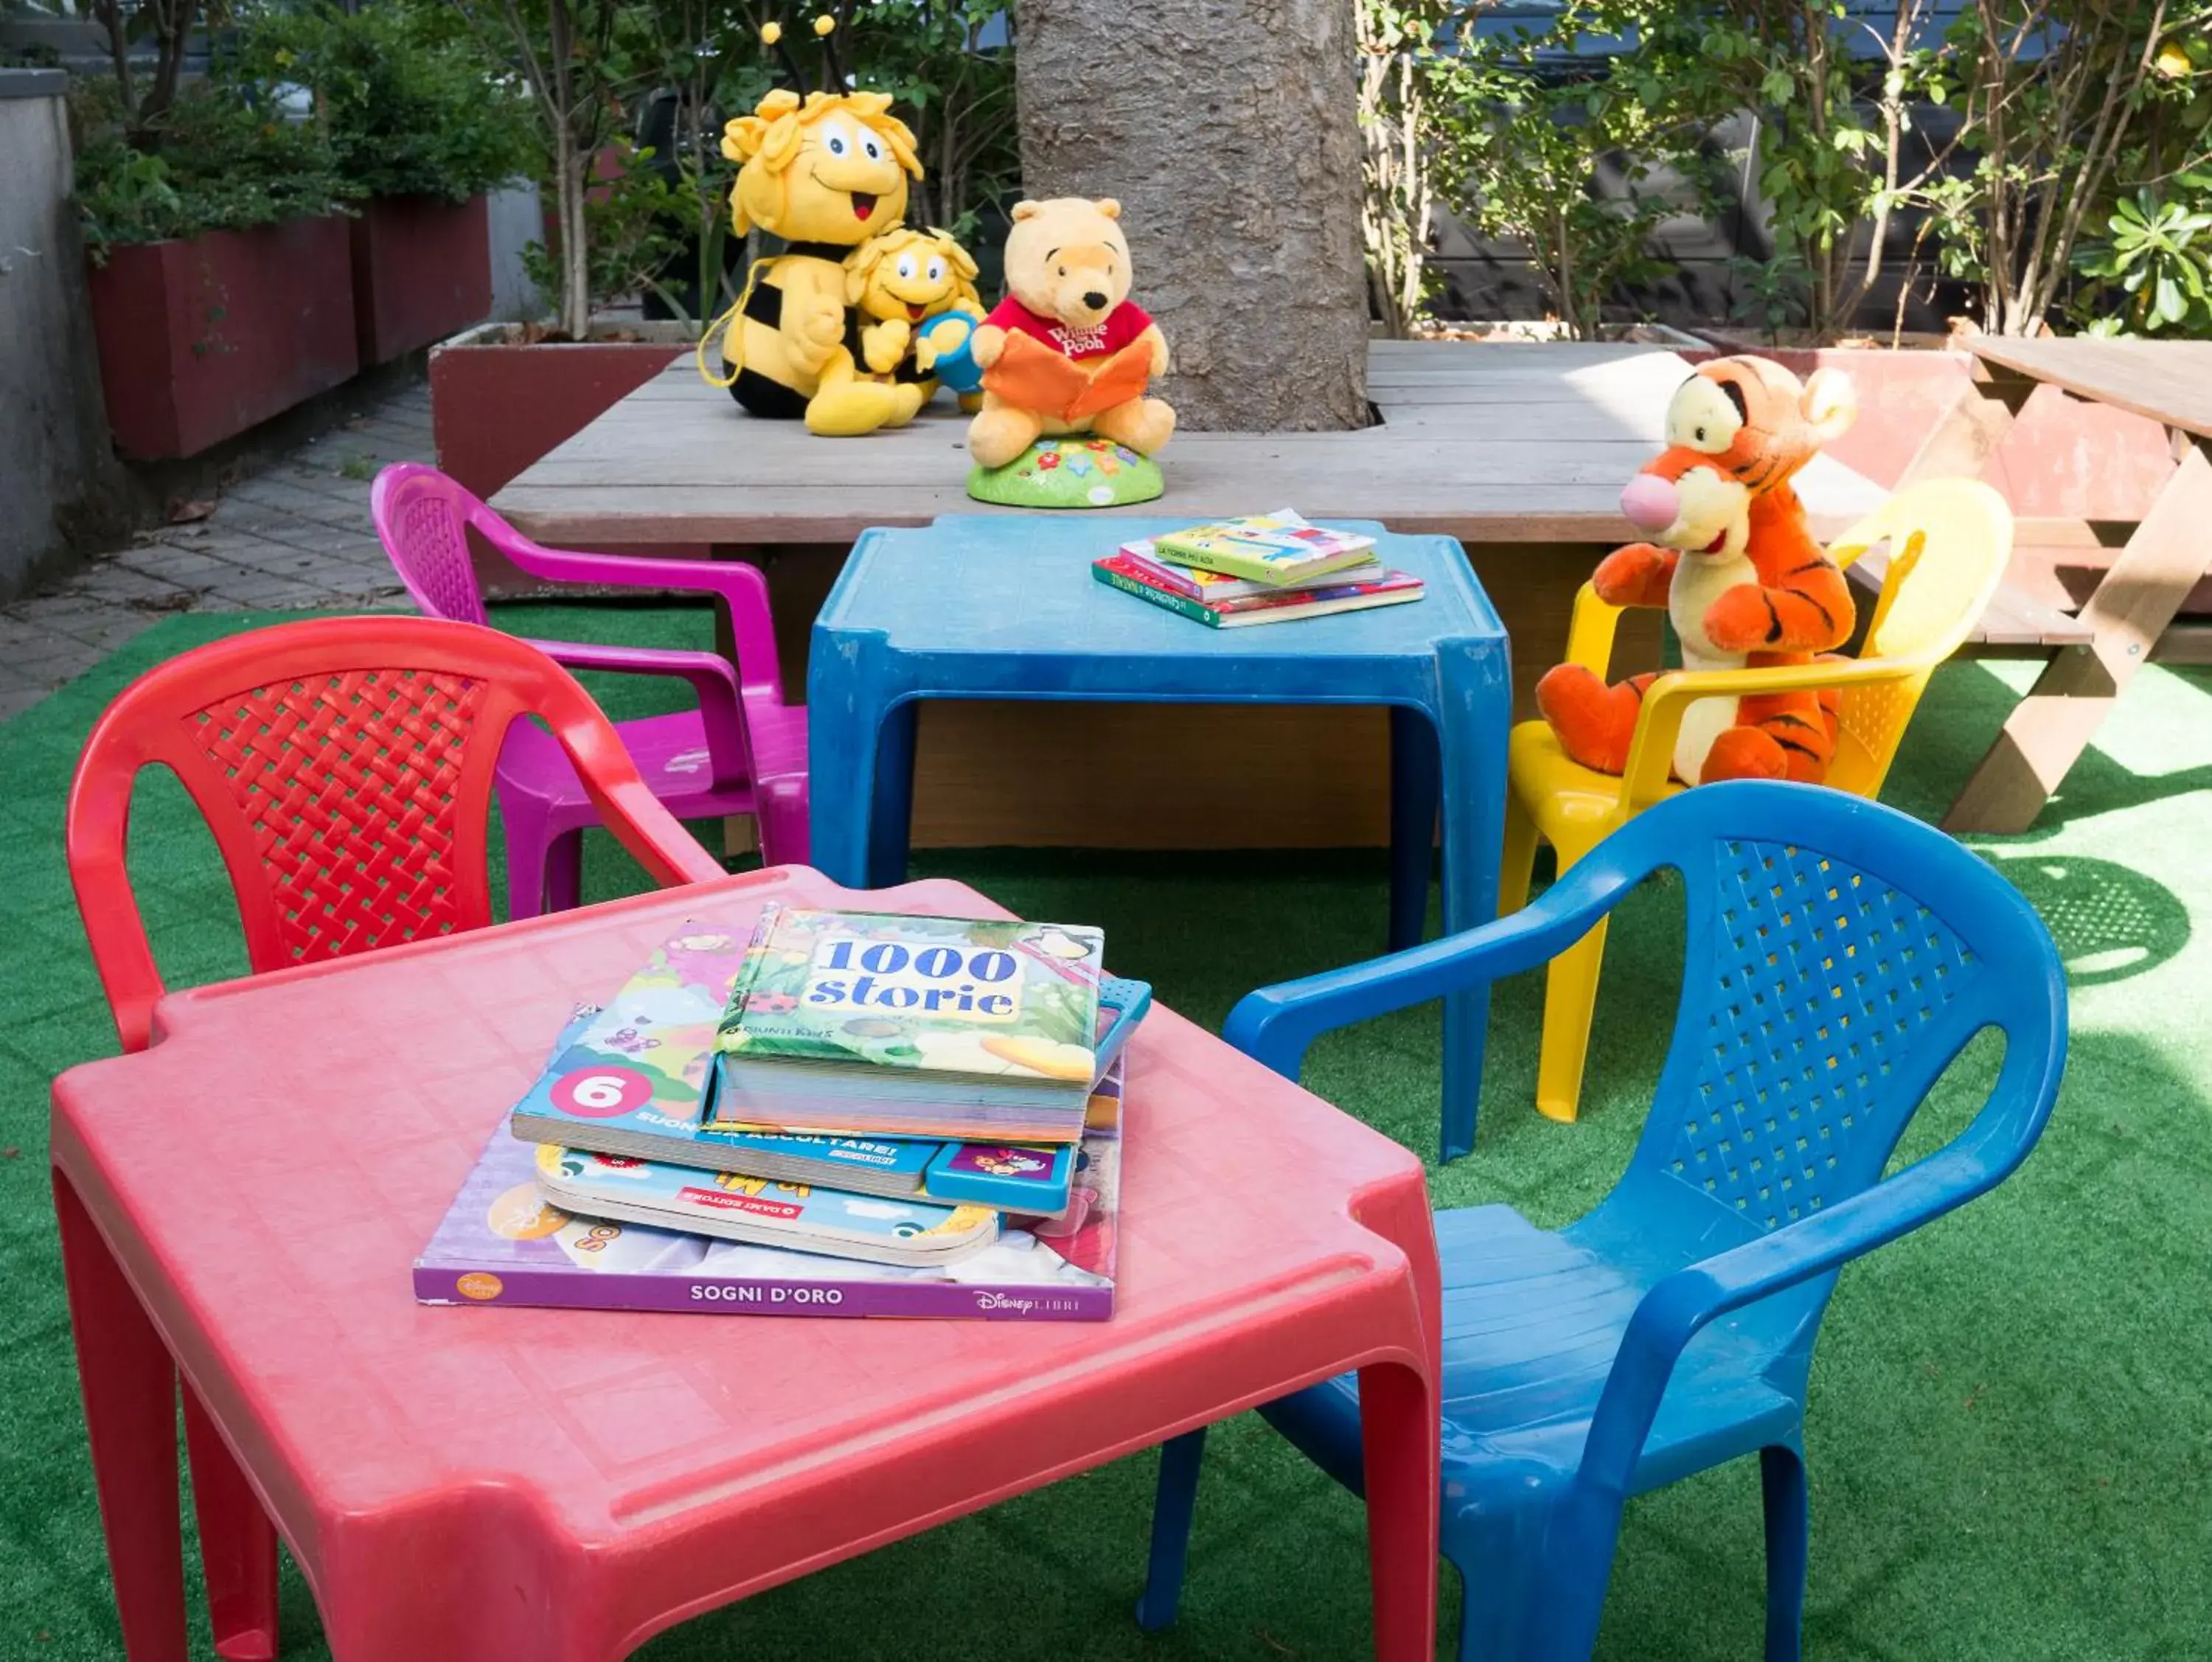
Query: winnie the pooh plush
x=1067, y=352
x=825, y=173
x=1734, y=564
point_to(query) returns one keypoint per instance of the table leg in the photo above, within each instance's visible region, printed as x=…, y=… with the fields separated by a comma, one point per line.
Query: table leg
x=1474, y=712
x=2135, y=601
x=890, y=816
x=1398, y=1431
x=1175, y=1500
x=129, y=1388
x=843, y=714
x=1416, y=783
x=238, y=1543
x=1973, y=429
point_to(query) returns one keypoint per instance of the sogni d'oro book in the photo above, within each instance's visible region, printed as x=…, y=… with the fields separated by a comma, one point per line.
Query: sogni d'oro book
x=503, y=1243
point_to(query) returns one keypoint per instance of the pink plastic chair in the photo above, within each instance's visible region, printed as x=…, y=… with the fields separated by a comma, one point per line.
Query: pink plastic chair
x=743, y=750
x=341, y=765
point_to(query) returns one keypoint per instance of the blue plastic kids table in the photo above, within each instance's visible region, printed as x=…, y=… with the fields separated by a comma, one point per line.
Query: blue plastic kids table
x=1005, y=606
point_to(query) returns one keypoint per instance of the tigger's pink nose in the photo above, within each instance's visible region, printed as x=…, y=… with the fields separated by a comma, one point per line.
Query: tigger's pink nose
x=1650, y=503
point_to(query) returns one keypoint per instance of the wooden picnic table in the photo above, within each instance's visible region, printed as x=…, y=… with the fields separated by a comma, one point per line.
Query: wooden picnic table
x=2146, y=584
x=1518, y=451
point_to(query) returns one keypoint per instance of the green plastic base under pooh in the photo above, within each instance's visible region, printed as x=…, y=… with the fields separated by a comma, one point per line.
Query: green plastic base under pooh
x=1072, y=472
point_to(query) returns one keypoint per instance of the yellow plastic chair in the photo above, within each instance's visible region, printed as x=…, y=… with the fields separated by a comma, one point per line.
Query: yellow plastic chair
x=1949, y=542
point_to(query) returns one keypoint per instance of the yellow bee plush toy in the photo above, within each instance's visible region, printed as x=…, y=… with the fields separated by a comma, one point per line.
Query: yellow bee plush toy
x=897, y=283
x=824, y=171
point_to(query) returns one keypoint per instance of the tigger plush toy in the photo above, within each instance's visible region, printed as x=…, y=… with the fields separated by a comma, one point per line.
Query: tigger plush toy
x=1731, y=561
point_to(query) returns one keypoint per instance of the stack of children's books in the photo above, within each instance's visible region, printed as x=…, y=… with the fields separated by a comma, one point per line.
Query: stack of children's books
x=1267, y=568
x=847, y=1114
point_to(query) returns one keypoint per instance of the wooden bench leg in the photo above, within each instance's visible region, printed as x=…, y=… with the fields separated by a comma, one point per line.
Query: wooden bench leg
x=2138, y=597
x=1970, y=431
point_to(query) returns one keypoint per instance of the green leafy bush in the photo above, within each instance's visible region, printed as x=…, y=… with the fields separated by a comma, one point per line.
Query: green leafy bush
x=1518, y=148
x=2158, y=255
x=410, y=106
x=955, y=94
x=211, y=162
x=2112, y=98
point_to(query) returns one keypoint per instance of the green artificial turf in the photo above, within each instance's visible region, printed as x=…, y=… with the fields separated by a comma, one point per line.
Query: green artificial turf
x=2008, y=1428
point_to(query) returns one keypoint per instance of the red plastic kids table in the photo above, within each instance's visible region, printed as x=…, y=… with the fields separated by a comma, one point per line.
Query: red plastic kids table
x=245, y=1200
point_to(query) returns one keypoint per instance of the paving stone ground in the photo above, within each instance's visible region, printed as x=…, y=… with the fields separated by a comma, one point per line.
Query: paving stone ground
x=297, y=535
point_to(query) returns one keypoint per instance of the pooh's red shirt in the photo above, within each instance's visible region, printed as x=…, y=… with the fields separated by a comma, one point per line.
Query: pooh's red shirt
x=1116, y=331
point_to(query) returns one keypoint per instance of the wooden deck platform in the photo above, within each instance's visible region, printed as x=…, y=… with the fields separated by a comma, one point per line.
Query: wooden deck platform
x=1490, y=443
x=1518, y=451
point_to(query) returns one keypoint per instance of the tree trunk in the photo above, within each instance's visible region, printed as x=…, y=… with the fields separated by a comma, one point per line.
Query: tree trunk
x=1229, y=130
x=573, y=305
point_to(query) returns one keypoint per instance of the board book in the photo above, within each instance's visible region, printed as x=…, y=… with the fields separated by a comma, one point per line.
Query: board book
x=731, y=1205
x=1323, y=600
x=628, y=1079
x=501, y=1244
x=882, y=1023
x=1011, y=1176
x=1268, y=548
x=1196, y=582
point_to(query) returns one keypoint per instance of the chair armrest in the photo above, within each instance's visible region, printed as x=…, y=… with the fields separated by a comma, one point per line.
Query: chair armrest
x=626, y=806
x=1671, y=1313
x=740, y=586
x=729, y=748
x=1590, y=632
x=1275, y=1025
x=1667, y=699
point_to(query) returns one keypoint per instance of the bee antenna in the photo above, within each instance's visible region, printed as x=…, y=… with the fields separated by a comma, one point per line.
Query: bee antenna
x=771, y=36
x=826, y=27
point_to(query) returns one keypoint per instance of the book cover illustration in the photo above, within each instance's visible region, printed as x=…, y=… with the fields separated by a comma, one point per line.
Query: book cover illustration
x=1011, y=1176
x=501, y=1244
x=1269, y=548
x=975, y=998
x=735, y=1206
x=629, y=1081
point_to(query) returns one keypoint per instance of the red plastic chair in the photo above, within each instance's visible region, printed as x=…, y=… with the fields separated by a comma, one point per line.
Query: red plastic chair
x=743, y=750
x=346, y=767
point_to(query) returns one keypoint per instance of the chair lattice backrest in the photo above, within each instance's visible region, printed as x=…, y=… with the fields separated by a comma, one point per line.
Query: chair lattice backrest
x=345, y=768
x=350, y=784
x=1823, y=1025
x=1950, y=543
x=1828, y=982
x=422, y=517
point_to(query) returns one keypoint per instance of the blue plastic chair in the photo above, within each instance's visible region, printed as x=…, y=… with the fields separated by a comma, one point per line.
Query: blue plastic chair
x=1839, y=956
